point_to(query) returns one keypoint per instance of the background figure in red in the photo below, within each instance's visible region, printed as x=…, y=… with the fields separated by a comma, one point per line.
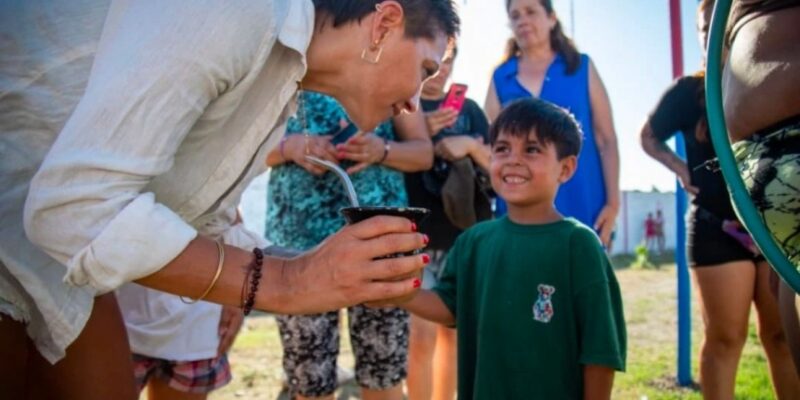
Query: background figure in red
x=649, y=231
x=658, y=227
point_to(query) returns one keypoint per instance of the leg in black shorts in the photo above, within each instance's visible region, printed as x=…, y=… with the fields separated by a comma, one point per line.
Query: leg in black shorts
x=709, y=245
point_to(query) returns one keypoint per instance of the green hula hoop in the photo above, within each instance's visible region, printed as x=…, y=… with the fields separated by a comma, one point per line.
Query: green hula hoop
x=751, y=218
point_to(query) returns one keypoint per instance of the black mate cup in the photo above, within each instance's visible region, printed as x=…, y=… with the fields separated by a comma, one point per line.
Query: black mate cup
x=414, y=214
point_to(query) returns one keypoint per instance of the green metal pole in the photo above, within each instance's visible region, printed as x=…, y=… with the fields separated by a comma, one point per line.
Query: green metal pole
x=750, y=216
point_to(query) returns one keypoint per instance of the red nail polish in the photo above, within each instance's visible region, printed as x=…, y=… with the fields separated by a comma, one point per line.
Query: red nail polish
x=413, y=227
x=426, y=258
x=417, y=283
x=425, y=239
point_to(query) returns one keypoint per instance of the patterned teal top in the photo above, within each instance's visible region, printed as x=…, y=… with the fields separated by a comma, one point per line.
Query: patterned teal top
x=302, y=209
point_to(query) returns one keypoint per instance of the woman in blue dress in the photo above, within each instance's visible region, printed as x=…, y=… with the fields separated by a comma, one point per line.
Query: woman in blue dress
x=543, y=62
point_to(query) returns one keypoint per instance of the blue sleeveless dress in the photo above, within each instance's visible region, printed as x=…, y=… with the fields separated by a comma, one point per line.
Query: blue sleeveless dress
x=583, y=196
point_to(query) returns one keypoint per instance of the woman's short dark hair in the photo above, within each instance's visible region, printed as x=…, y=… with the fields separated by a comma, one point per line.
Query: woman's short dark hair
x=559, y=41
x=550, y=123
x=423, y=18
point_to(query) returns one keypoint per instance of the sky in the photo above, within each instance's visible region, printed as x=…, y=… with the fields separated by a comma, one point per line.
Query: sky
x=629, y=43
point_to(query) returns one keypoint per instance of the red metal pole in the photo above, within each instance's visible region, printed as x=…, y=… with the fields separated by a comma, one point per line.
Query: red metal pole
x=676, y=37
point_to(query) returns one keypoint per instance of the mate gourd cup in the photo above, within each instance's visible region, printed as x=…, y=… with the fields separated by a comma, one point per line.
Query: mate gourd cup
x=414, y=214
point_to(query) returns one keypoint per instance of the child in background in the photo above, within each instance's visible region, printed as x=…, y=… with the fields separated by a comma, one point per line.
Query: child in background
x=533, y=295
x=658, y=225
x=650, y=232
x=460, y=141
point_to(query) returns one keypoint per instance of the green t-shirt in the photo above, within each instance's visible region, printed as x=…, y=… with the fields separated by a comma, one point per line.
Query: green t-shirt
x=533, y=304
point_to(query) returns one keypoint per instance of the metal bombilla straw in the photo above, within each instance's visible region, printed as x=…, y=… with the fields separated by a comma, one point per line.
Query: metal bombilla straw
x=341, y=174
x=351, y=194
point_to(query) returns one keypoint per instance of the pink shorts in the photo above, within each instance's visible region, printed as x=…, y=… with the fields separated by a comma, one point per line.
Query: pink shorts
x=201, y=376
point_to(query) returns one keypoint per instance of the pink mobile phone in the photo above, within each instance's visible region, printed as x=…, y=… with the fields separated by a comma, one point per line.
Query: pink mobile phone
x=455, y=97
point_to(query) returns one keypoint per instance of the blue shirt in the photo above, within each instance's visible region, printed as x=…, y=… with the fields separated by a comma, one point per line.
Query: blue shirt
x=583, y=196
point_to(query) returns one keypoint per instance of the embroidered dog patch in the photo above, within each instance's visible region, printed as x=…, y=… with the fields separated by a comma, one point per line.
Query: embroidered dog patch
x=543, y=308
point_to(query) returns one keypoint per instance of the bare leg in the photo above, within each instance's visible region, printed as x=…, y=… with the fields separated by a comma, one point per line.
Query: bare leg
x=15, y=348
x=157, y=389
x=445, y=366
x=392, y=393
x=781, y=367
x=421, y=345
x=330, y=397
x=726, y=291
x=98, y=363
x=789, y=307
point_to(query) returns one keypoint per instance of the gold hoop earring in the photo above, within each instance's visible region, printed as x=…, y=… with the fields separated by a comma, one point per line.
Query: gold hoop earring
x=374, y=48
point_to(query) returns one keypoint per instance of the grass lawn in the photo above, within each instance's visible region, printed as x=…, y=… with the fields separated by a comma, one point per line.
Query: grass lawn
x=650, y=302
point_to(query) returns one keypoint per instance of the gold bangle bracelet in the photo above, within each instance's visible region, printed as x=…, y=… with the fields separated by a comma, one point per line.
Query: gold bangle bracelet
x=221, y=250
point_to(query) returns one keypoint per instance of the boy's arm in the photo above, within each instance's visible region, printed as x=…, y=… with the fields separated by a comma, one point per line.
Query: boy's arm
x=428, y=305
x=599, y=315
x=597, y=382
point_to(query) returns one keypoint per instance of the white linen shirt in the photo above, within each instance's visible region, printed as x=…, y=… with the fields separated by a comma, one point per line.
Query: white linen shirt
x=161, y=325
x=143, y=118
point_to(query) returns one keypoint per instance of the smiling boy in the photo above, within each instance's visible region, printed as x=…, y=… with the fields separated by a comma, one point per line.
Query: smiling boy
x=532, y=294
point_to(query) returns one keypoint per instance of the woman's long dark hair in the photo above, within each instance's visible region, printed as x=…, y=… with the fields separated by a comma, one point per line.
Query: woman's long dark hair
x=559, y=41
x=701, y=129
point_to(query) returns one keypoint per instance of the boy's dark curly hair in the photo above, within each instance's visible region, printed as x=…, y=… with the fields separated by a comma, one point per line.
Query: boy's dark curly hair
x=550, y=123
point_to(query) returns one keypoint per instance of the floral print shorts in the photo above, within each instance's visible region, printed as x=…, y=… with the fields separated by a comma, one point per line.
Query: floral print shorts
x=770, y=167
x=379, y=337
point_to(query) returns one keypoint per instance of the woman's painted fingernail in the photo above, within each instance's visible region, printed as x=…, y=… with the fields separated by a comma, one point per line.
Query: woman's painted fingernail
x=413, y=227
x=425, y=239
x=417, y=283
x=426, y=258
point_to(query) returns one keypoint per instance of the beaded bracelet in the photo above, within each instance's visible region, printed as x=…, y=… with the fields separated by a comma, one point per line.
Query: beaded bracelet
x=386, y=148
x=254, y=276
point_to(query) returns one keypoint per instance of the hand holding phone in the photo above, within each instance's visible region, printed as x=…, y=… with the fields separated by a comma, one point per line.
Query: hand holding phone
x=340, y=135
x=439, y=119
